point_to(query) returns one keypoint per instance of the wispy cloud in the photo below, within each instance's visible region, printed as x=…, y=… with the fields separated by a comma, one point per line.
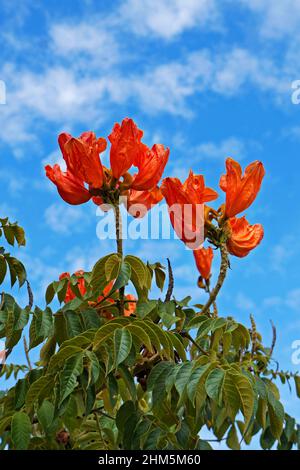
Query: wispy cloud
x=65, y=219
x=166, y=19
x=232, y=146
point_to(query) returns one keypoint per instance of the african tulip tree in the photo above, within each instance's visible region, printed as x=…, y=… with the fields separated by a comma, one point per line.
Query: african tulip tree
x=118, y=371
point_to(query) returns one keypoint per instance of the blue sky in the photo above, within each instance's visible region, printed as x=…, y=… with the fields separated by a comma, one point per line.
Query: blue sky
x=207, y=78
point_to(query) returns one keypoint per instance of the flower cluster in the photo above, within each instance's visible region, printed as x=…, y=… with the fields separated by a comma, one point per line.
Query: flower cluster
x=130, y=300
x=86, y=178
x=241, y=190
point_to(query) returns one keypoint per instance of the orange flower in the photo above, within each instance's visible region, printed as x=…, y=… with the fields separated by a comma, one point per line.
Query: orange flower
x=81, y=285
x=185, y=201
x=151, y=164
x=139, y=202
x=241, y=190
x=82, y=157
x=194, y=186
x=83, y=166
x=70, y=188
x=125, y=142
x=243, y=236
x=203, y=258
x=130, y=307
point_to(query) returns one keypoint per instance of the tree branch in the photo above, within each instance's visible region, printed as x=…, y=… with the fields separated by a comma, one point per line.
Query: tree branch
x=120, y=252
x=27, y=353
x=221, y=279
x=171, y=282
x=274, y=338
x=30, y=295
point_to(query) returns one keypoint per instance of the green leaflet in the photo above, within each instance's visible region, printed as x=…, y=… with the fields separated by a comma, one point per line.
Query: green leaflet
x=122, y=345
x=20, y=430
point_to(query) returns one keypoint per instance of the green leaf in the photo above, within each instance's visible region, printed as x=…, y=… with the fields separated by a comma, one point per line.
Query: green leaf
x=149, y=329
x=20, y=430
x=74, y=326
x=45, y=415
x=41, y=387
x=197, y=374
x=128, y=379
x=90, y=318
x=166, y=311
x=94, y=367
x=98, y=277
x=9, y=234
x=68, y=377
x=138, y=271
x=50, y=293
x=214, y=384
x=276, y=415
x=41, y=326
x=20, y=393
x=19, y=235
x=239, y=394
x=122, y=344
x=204, y=328
x=4, y=423
x=297, y=385
x=183, y=376
x=124, y=276
x=3, y=268
x=267, y=439
x=63, y=355
x=112, y=267
x=167, y=349
x=124, y=415
x=151, y=443
x=113, y=389
x=105, y=331
x=160, y=277
x=144, y=308
x=204, y=445
x=178, y=345
x=141, y=336
x=162, y=368
x=17, y=271
x=232, y=439
x=196, y=321
x=47, y=351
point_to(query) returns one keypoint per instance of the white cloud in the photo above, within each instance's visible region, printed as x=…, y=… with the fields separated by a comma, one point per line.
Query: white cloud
x=89, y=43
x=293, y=299
x=230, y=147
x=15, y=183
x=169, y=18
x=64, y=219
x=239, y=69
x=167, y=87
x=282, y=252
x=53, y=158
x=277, y=18
x=83, y=76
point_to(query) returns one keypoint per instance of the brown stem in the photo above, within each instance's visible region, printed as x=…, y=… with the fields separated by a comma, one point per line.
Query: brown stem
x=274, y=338
x=27, y=353
x=171, y=282
x=120, y=252
x=184, y=334
x=30, y=295
x=215, y=308
x=221, y=279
